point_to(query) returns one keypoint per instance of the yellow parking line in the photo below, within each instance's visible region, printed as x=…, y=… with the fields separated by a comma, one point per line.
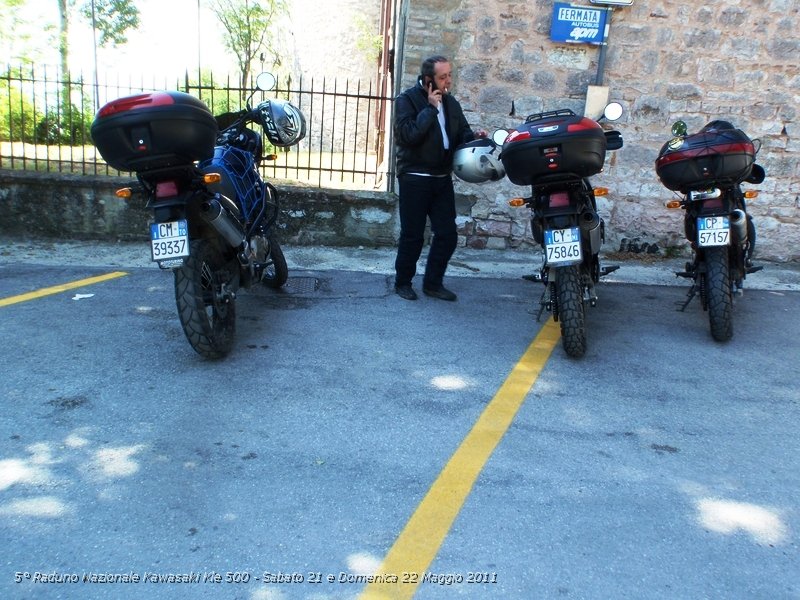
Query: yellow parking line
x=57, y=289
x=419, y=542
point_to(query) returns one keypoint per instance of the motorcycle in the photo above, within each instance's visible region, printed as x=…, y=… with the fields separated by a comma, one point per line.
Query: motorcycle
x=555, y=153
x=707, y=169
x=213, y=215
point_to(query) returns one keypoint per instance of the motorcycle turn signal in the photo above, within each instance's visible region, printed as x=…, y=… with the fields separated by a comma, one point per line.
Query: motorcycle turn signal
x=517, y=202
x=124, y=193
x=212, y=178
x=600, y=192
x=673, y=204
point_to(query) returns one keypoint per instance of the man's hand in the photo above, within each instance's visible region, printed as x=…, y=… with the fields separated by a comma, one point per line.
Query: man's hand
x=434, y=96
x=481, y=133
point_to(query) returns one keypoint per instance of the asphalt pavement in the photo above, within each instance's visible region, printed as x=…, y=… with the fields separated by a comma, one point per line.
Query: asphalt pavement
x=352, y=435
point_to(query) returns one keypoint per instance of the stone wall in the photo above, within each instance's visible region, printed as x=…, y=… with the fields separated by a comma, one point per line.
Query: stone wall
x=676, y=59
x=83, y=207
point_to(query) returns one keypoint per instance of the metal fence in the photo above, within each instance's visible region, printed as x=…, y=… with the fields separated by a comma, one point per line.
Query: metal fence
x=45, y=121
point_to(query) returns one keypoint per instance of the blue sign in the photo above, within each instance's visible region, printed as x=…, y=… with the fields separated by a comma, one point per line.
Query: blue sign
x=578, y=24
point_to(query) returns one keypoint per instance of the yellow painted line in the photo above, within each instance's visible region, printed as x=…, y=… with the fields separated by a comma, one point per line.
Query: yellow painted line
x=57, y=289
x=423, y=535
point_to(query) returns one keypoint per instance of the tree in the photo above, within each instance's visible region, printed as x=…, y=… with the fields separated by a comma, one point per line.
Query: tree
x=10, y=22
x=112, y=18
x=247, y=23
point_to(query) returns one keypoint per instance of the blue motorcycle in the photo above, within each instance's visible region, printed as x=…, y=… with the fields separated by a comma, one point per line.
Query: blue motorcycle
x=213, y=214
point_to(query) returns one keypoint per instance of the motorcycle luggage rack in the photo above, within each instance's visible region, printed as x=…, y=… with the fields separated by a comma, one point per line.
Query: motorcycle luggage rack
x=564, y=112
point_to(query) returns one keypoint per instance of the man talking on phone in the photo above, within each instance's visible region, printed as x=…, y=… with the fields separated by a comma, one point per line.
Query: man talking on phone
x=429, y=125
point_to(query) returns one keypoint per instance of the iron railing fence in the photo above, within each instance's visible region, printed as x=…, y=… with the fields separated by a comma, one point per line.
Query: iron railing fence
x=45, y=121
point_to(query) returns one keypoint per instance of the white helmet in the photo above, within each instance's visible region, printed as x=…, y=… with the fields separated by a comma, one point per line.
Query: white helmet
x=478, y=161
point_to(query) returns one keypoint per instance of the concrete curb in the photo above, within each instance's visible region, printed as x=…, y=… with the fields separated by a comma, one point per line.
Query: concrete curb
x=465, y=262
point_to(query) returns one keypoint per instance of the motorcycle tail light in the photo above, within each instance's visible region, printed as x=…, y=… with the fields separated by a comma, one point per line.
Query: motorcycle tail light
x=134, y=102
x=515, y=136
x=165, y=189
x=559, y=199
x=713, y=203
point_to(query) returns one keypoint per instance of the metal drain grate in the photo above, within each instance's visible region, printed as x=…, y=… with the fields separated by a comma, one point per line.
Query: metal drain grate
x=301, y=285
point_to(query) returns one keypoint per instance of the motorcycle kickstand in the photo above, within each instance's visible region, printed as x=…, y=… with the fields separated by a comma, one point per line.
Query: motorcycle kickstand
x=545, y=304
x=689, y=297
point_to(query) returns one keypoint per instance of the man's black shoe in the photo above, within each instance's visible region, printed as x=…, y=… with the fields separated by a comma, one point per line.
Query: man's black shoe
x=405, y=291
x=442, y=293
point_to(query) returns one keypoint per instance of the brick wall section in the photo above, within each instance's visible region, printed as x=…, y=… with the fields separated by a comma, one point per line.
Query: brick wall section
x=675, y=59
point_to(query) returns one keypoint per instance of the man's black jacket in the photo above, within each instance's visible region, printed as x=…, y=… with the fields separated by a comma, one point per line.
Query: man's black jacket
x=420, y=148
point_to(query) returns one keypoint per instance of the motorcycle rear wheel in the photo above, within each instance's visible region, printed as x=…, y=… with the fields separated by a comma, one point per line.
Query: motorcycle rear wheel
x=206, y=307
x=276, y=273
x=718, y=293
x=571, y=310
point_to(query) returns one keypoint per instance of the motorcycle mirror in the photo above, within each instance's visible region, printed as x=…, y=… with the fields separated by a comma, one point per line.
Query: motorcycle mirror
x=613, y=111
x=679, y=129
x=265, y=81
x=499, y=136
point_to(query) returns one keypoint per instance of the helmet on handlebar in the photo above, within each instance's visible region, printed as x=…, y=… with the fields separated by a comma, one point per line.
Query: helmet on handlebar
x=478, y=161
x=283, y=123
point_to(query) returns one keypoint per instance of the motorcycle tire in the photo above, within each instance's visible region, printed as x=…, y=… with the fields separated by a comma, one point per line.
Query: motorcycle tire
x=718, y=293
x=276, y=273
x=571, y=311
x=207, y=311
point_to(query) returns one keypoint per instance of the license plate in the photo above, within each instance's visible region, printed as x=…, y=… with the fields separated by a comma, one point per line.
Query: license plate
x=169, y=241
x=713, y=231
x=563, y=246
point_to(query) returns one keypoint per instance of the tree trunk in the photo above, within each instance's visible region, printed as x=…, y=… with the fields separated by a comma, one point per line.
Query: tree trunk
x=63, y=49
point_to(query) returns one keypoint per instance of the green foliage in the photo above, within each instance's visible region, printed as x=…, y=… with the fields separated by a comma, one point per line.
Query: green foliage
x=68, y=127
x=247, y=23
x=23, y=120
x=368, y=41
x=215, y=93
x=112, y=19
x=17, y=116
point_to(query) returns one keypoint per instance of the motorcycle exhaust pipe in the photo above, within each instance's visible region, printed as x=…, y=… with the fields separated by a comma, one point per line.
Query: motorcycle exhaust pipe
x=591, y=226
x=739, y=225
x=219, y=218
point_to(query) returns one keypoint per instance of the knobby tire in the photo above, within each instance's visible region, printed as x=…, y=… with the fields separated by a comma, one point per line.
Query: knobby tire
x=208, y=318
x=718, y=293
x=276, y=274
x=571, y=311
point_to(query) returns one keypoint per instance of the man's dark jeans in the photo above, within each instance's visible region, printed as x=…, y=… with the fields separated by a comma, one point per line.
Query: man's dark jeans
x=422, y=197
